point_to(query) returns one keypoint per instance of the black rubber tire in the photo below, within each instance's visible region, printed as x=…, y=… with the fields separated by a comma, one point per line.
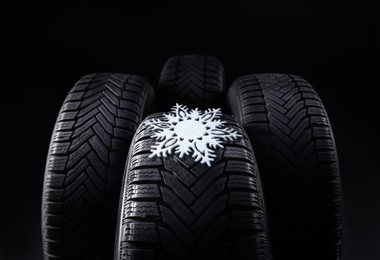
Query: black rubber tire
x=85, y=164
x=192, y=80
x=294, y=144
x=173, y=208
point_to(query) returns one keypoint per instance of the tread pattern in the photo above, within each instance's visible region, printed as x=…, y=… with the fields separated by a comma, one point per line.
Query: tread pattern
x=85, y=164
x=290, y=131
x=192, y=80
x=174, y=208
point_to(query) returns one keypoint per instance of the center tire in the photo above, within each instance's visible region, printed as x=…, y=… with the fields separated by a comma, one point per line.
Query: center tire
x=176, y=208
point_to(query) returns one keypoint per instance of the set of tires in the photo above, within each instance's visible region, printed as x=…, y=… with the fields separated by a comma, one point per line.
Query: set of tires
x=126, y=178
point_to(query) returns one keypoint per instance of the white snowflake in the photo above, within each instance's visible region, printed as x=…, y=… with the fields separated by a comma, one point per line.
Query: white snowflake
x=193, y=132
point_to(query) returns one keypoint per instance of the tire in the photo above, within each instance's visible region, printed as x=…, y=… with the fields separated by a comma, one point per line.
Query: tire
x=173, y=208
x=294, y=144
x=85, y=164
x=192, y=80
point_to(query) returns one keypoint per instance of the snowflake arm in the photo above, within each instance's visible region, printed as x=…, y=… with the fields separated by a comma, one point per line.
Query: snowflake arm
x=211, y=114
x=183, y=148
x=156, y=124
x=227, y=134
x=180, y=110
x=194, y=114
x=163, y=148
x=163, y=134
x=203, y=153
x=212, y=141
x=217, y=123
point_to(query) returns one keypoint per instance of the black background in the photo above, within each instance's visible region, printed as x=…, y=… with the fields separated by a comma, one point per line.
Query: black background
x=48, y=46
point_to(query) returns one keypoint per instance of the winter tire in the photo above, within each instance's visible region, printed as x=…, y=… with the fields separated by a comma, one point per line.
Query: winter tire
x=85, y=164
x=178, y=208
x=294, y=144
x=193, y=80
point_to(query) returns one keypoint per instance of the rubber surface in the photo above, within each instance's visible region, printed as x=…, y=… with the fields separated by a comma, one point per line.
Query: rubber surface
x=174, y=208
x=85, y=164
x=192, y=80
x=294, y=144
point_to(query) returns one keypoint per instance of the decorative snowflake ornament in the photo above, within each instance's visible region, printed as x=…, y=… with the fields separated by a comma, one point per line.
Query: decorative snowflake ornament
x=194, y=132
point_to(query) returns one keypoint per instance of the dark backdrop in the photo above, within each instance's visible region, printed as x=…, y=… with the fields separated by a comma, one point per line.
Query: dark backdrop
x=48, y=46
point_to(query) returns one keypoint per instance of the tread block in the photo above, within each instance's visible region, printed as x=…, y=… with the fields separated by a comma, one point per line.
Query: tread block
x=136, y=254
x=136, y=191
x=140, y=232
x=241, y=182
x=56, y=163
x=247, y=220
x=140, y=209
x=141, y=175
x=243, y=199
